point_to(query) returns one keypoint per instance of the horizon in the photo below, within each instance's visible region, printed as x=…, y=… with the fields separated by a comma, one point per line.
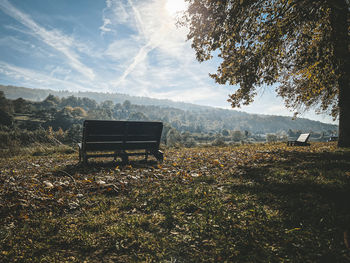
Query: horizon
x=128, y=47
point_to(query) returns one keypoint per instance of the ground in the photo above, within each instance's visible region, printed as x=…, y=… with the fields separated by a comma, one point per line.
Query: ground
x=249, y=203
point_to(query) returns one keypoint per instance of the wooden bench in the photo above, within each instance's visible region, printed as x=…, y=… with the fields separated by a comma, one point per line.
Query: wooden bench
x=120, y=137
x=301, y=141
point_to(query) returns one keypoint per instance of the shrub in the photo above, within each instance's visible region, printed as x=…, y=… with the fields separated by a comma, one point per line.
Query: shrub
x=189, y=142
x=271, y=137
x=218, y=142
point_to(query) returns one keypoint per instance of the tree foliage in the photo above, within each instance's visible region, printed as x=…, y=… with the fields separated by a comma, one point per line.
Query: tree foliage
x=301, y=45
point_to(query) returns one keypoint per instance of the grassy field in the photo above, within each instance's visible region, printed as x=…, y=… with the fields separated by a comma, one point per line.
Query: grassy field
x=249, y=203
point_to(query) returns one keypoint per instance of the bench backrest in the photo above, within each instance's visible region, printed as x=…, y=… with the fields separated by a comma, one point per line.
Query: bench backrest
x=114, y=135
x=303, y=137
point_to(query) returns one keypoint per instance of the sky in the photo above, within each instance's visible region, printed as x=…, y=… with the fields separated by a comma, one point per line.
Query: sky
x=120, y=46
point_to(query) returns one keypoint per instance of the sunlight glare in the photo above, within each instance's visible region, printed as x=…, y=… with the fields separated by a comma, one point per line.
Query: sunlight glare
x=175, y=6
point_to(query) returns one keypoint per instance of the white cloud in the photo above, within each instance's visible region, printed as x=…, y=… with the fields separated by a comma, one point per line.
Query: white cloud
x=193, y=95
x=109, y=3
x=139, y=58
x=122, y=50
x=54, y=38
x=114, y=14
x=33, y=78
x=104, y=28
x=60, y=72
x=17, y=44
x=157, y=30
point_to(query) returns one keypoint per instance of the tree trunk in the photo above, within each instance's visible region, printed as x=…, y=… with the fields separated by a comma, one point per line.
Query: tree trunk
x=344, y=116
x=342, y=65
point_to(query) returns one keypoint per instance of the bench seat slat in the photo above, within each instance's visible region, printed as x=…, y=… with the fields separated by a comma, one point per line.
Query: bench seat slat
x=108, y=138
x=115, y=147
x=120, y=142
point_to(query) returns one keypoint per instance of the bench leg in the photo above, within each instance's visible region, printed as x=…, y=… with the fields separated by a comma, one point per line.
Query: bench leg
x=80, y=151
x=291, y=143
x=159, y=155
x=125, y=158
x=85, y=158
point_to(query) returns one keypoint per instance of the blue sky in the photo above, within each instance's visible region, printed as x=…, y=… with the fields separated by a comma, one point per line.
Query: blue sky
x=123, y=46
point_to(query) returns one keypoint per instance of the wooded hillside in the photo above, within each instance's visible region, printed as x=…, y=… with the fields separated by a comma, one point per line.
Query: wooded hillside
x=184, y=117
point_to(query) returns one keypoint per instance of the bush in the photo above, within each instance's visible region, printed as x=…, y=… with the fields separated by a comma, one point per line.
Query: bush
x=74, y=133
x=4, y=139
x=190, y=142
x=173, y=138
x=24, y=138
x=218, y=142
x=271, y=137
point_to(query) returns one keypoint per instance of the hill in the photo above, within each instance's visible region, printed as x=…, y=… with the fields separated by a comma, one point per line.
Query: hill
x=186, y=116
x=13, y=92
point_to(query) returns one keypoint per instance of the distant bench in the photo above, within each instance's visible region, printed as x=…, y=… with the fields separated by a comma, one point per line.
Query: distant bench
x=301, y=141
x=120, y=137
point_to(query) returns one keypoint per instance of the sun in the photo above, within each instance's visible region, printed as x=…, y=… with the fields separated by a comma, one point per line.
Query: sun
x=175, y=6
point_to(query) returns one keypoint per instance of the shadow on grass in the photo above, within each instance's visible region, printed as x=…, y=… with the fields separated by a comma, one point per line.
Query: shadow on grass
x=309, y=191
x=104, y=164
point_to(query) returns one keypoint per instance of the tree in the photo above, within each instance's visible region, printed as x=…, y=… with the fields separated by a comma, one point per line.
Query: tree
x=74, y=133
x=173, y=138
x=70, y=101
x=51, y=101
x=5, y=104
x=21, y=106
x=63, y=119
x=78, y=112
x=107, y=104
x=301, y=45
x=89, y=104
x=237, y=136
x=127, y=105
x=5, y=118
x=271, y=137
x=137, y=116
x=219, y=141
x=225, y=132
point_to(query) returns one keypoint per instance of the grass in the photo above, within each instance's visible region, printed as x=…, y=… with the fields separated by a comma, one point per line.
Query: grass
x=249, y=203
x=37, y=149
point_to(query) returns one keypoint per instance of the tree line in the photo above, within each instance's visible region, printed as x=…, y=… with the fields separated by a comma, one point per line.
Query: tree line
x=60, y=119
